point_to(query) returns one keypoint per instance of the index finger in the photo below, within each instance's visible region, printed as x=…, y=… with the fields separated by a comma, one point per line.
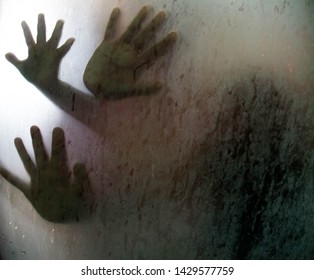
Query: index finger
x=26, y=159
x=28, y=34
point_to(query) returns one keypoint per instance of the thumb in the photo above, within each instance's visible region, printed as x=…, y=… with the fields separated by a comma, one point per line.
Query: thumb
x=83, y=187
x=14, y=60
x=81, y=180
x=15, y=181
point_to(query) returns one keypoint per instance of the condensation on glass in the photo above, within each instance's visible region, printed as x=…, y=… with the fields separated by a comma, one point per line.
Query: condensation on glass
x=217, y=164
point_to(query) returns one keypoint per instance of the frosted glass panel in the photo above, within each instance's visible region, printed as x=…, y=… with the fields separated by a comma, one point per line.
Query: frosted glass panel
x=200, y=148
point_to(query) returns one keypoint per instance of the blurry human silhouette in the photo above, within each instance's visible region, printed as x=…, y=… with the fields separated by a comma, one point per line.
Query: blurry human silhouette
x=111, y=73
x=53, y=194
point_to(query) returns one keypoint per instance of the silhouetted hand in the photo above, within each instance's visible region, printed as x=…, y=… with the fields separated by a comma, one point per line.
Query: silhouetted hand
x=55, y=197
x=111, y=72
x=42, y=65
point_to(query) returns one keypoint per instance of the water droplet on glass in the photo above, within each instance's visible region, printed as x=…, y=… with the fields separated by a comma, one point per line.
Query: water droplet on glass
x=52, y=237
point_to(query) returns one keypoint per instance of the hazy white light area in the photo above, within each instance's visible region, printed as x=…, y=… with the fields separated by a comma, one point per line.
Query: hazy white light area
x=220, y=42
x=22, y=105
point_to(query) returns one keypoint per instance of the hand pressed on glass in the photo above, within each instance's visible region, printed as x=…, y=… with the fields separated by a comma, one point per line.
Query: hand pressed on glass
x=53, y=194
x=42, y=64
x=111, y=71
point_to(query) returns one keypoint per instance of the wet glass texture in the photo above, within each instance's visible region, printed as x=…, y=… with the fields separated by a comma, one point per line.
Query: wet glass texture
x=156, y=129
